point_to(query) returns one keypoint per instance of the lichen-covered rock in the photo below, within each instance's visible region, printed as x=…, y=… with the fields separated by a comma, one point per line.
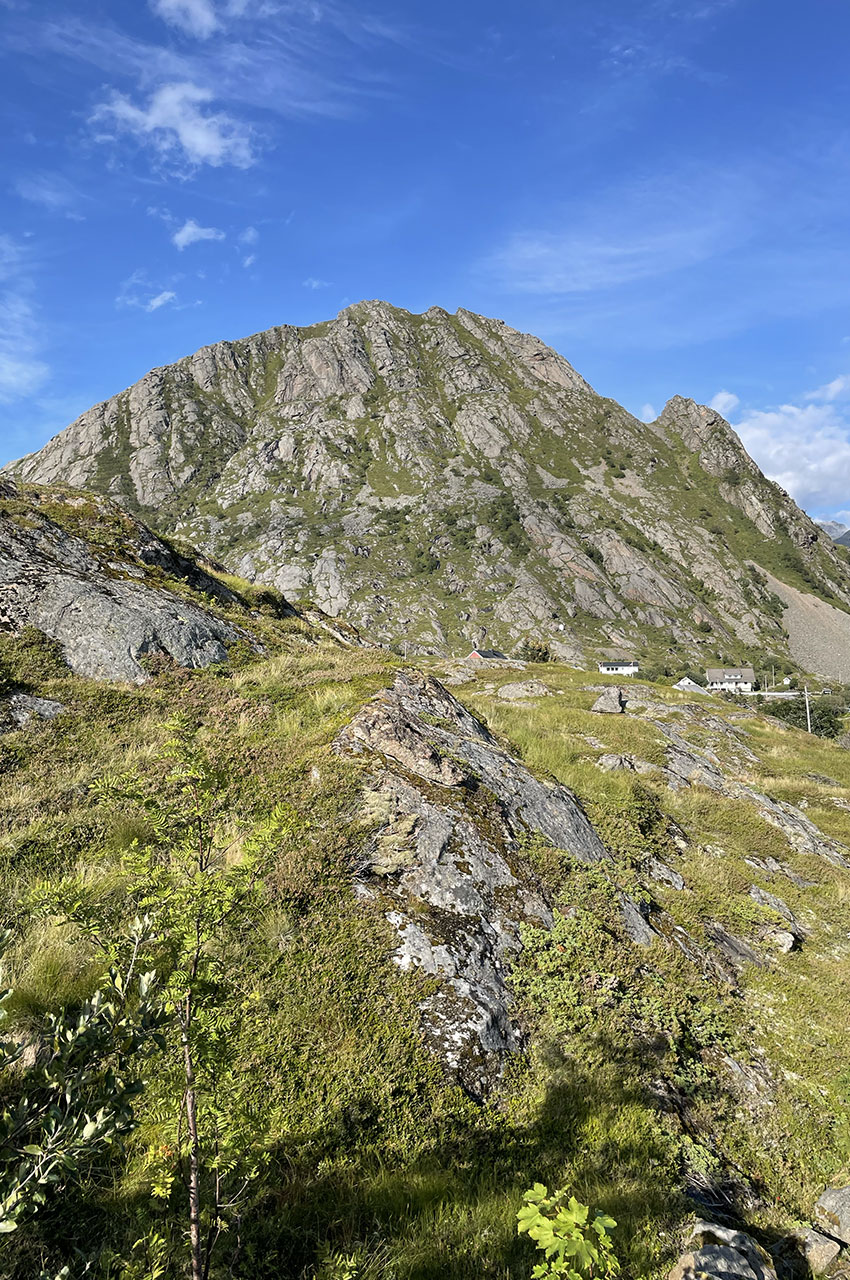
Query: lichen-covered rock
x=820, y=1251
x=519, y=690
x=448, y=807
x=22, y=709
x=832, y=1212
x=721, y=1253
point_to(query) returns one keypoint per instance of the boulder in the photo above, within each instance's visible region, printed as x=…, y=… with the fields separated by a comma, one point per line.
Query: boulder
x=611, y=702
x=820, y=1250
x=832, y=1212
x=518, y=690
x=721, y=1253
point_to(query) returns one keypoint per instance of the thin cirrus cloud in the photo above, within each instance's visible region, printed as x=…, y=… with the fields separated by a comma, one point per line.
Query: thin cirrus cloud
x=313, y=282
x=191, y=233
x=833, y=390
x=22, y=371
x=138, y=293
x=52, y=191
x=637, y=232
x=177, y=126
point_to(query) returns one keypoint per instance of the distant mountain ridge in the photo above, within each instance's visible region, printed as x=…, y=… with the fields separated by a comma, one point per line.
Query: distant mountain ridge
x=446, y=480
x=833, y=529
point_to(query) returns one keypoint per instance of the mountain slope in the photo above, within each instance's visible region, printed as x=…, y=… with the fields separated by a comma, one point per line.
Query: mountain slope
x=501, y=937
x=446, y=479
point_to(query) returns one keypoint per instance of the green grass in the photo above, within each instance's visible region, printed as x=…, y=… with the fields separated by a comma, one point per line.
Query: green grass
x=371, y=1152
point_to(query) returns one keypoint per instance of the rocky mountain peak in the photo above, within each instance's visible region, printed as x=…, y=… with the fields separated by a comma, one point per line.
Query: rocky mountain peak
x=444, y=479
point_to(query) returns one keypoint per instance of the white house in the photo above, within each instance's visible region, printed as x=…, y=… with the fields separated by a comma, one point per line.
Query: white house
x=687, y=685
x=731, y=679
x=621, y=666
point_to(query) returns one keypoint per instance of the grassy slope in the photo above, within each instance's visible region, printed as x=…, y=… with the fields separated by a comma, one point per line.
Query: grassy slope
x=371, y=1153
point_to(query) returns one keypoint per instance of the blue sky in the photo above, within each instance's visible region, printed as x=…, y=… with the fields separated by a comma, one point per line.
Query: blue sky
x=659, y=188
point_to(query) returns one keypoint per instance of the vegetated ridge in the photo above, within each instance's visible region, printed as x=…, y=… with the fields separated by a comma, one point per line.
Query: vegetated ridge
x=459, y=930
x=447, y=481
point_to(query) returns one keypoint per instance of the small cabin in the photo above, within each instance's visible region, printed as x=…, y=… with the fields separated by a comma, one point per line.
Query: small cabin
x=486, y=655
x=620, y=666
x=731, y=679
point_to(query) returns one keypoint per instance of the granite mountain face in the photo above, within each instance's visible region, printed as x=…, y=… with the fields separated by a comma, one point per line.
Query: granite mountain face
x=447, y=479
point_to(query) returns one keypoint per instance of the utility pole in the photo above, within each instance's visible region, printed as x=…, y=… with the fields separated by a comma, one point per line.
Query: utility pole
x=808, y=712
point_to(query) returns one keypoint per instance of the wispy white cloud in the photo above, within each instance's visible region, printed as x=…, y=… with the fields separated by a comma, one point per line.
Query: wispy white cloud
x=22, y=370
x=176, y=124
x=636, y=232
x=249, y=260
x=249, y=236
x=834, y=390
x=167, y=295
x=52, y=191
x=648, y=414
x=195, y=17
x=724, y=402
x=138, y=292
x=191, y=233
x=312, y=282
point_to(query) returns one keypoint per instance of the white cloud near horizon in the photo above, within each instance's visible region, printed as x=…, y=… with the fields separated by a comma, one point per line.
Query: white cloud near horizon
x=194, y=17
x=839, y=386
x=176, y=125
x=191, y=233
x=724, y=402
x=805, y=449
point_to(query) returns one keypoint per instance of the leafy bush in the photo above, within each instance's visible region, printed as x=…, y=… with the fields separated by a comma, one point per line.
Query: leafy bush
x=534, y=651
x=826, y=719
x=504, y=518
x=571, y=1245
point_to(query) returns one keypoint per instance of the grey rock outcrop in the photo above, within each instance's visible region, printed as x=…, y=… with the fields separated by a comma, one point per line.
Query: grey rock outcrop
x=456, y=897
x=98, y=604
x=611, y=702
x=721, y=1253
x=520, y=690
x=832, y=1212
x=820, y=1251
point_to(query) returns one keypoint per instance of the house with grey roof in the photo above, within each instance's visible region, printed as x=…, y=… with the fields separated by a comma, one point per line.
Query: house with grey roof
x=730, y=679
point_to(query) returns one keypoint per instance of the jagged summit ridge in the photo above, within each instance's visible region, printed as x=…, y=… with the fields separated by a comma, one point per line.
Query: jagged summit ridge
x=445, y=478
